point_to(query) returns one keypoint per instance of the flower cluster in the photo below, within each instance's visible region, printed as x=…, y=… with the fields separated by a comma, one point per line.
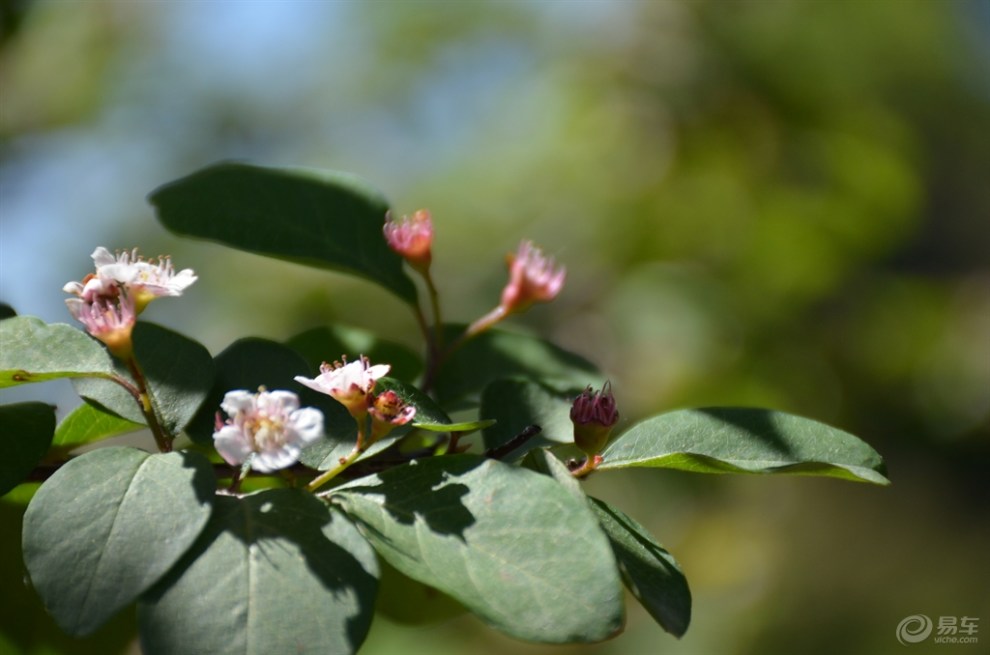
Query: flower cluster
x=108, y=301
x=267, y=427
x=352, y=385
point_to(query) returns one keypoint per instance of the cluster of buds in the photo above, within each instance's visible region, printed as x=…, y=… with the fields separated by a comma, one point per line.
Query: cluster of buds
x=108, y=301
x=352, y=385
x=268, y=428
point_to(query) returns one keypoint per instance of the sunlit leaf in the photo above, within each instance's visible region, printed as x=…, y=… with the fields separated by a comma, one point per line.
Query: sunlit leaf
x=319, y=218
x=32, y=351
x=87, y=423
x=25, y=434
x=273, y=572
x=107, y=525
x=511, y=545
x=744, y=440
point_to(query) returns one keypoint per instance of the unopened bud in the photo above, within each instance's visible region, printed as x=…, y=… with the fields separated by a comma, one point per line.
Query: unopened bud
x=593, y=415
x=411, y=237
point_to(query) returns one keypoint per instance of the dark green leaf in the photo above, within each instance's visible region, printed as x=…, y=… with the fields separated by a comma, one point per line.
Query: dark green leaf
x=179, y=373
x=31, y=351
x=650, y=572
x=273, y=572
x=513, y=546
x=88, y=423
x=501, y=354
x=251, y=363
x=25, y=434
x=516, y=404
x=318, y=218
x=6, y=311
x=107, y=525
x=329, y=343
x=744, y=440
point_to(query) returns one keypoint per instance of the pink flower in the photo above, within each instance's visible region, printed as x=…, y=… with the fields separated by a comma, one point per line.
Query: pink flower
x=411, y=237
x=269, y=426
x=593, y=415
x=533, y=277
x=108, y=318
x=349, y=384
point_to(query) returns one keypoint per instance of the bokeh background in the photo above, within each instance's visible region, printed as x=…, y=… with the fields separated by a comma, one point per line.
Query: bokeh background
x=772, y=202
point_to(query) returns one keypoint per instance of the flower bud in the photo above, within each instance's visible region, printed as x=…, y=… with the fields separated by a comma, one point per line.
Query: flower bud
x=411, y=237
x=533, y=277
x=388, y=411
x=593, y=415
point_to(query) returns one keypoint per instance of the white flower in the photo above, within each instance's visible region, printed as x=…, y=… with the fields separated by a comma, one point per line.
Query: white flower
x=349, y=384
x=146, y=279
x=268, y=424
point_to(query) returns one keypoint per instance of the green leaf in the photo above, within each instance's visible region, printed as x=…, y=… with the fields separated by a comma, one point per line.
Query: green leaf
x=648, y=570
x=251, y=363
x=273, y=572
x=32, y=351
x=511, y=545
x=107, y=525
x=502, y=354
x=319, y=218
x=6, y=311
x=25, y=434
x=543, y=461
x=516, y=404
x=464, y=427
x=326, y=454
x=329, y=343
x=179, y=373
x=88, y=423
x=744, y=440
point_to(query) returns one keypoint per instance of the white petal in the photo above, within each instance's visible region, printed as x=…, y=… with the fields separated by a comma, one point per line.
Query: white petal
x=286, y=401
x=307, y=424
x=232, y=444
x=238, y=401
x=102, y=257
x=273, y=460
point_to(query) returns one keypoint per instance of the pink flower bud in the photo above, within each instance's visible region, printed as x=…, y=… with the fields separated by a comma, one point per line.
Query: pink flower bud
x=388, y=411
x=533, y=277
x=411, y=237
x=593, y=415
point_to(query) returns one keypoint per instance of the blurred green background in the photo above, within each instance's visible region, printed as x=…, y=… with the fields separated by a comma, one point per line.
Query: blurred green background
x=771, y=202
